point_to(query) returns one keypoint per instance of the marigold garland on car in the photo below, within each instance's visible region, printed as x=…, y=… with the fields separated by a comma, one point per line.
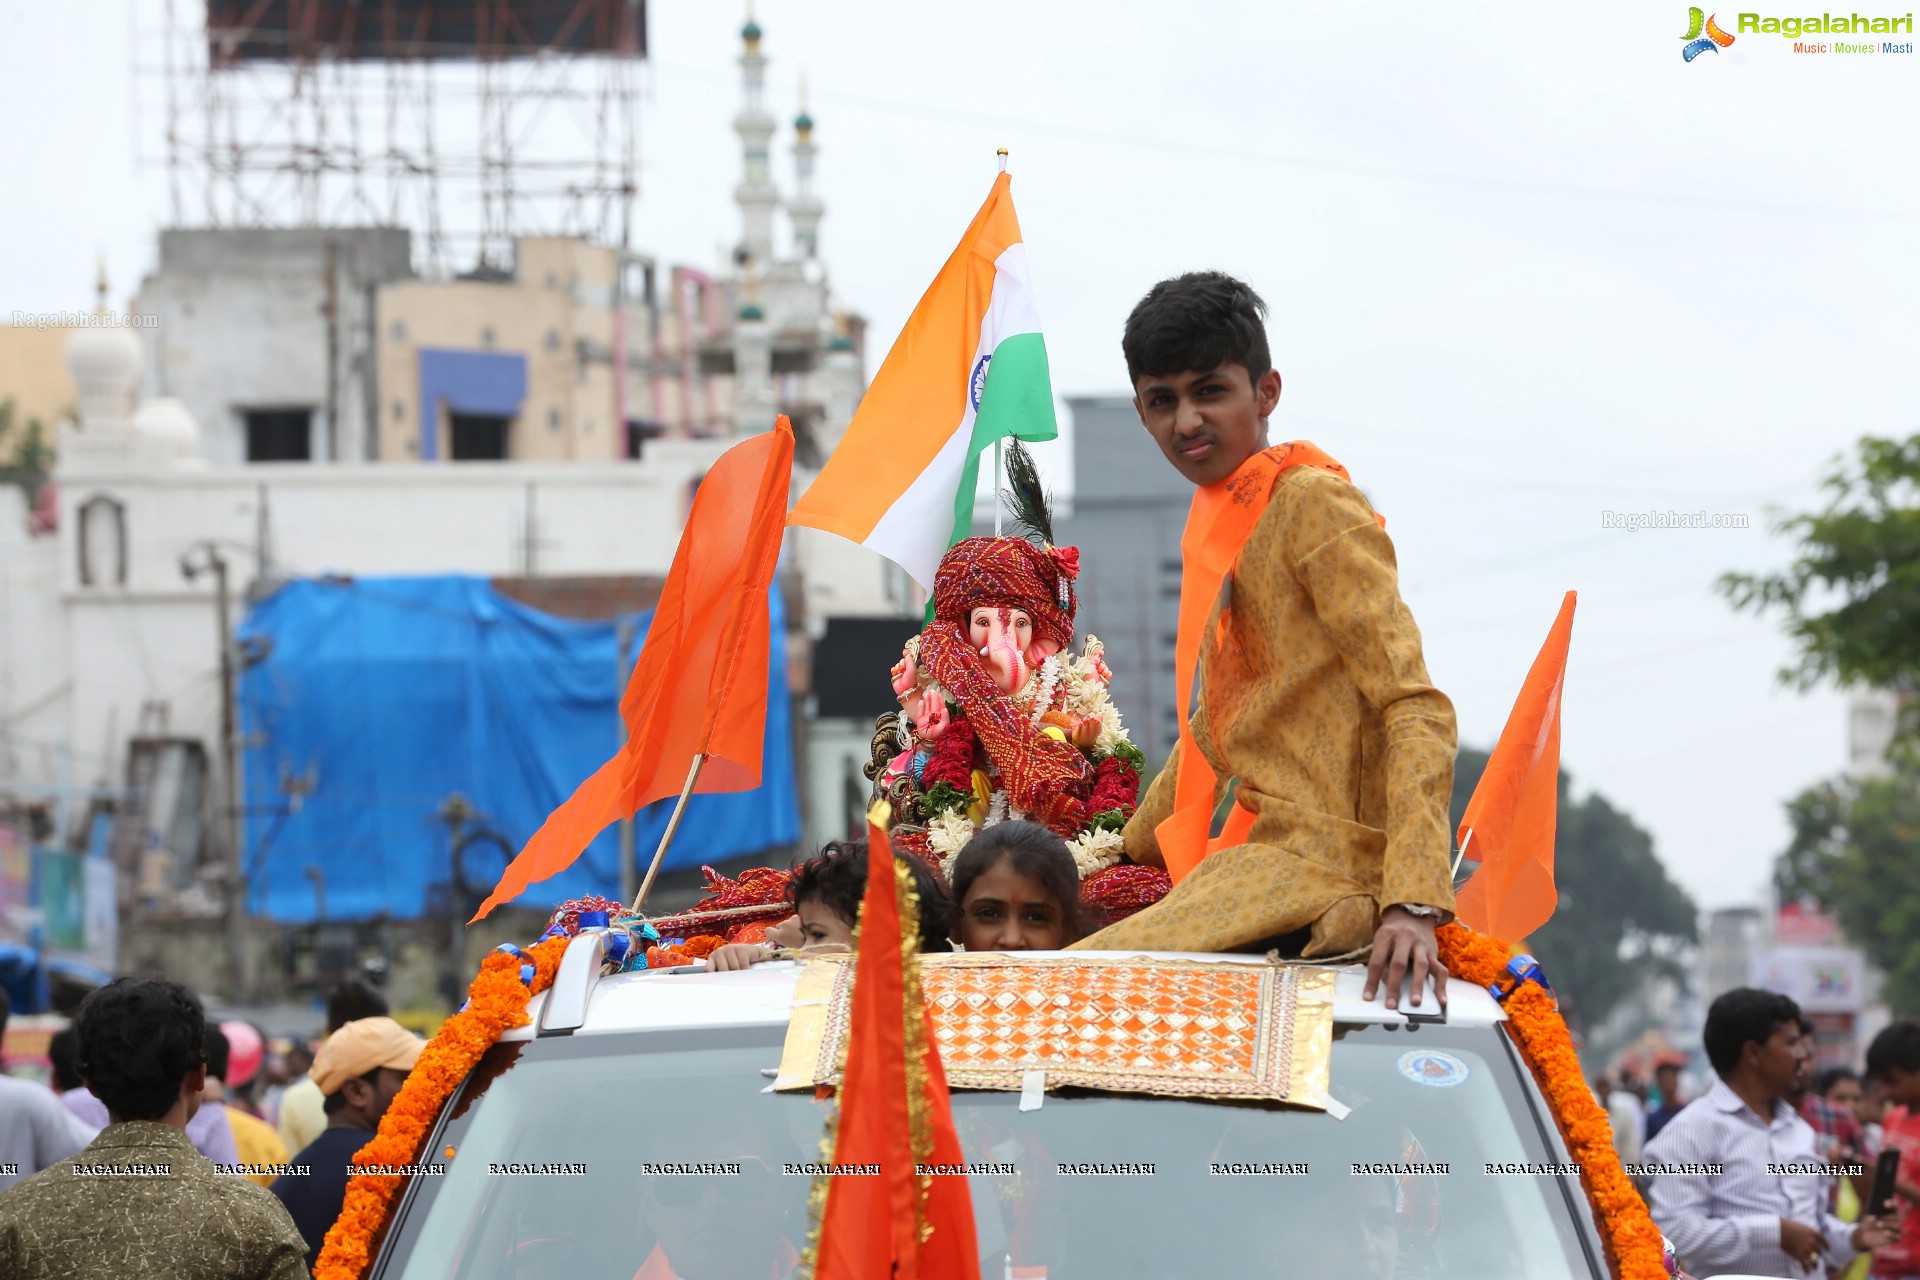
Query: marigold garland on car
x=1635, y=1246
x=496, y=1003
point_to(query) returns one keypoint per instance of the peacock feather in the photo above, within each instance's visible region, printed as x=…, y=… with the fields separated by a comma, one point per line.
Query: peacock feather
x=1027, y=500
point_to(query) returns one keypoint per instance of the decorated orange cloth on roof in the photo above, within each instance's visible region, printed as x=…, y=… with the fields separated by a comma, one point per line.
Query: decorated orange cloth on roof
x=1175, y=1028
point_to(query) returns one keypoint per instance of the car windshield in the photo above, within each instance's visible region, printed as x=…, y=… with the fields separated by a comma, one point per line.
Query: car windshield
x=594, y=1158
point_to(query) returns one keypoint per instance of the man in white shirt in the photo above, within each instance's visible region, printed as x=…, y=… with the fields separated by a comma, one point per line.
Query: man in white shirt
x=1737, y=1183
x=1628, y=1116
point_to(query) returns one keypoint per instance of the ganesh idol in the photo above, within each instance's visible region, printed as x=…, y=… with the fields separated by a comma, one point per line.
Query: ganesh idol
x=998, y=718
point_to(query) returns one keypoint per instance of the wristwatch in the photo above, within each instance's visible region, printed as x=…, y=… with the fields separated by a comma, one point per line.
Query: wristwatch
x=1415, y=909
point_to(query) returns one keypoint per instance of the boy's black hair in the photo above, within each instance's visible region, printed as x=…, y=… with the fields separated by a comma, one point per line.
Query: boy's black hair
x=63, y=1052
x=352, y=1001
x=138, y=1040
x=838, y=878
x=1034, y=851
x=1897, y=1046
x=1742, y=1015
x=219, y=1053
x=1824, y=1082
x=1196, y=322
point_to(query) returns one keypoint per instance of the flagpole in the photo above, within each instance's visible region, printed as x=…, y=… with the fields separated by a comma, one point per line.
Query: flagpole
x=1002, y=153
x=996, y=486
x=666, y=837
x=1461, y=855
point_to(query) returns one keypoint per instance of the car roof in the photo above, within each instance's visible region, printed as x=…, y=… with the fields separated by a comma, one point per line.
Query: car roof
x=689, y=997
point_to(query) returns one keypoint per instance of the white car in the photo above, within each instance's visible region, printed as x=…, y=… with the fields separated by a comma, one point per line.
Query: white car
x=631, y=1132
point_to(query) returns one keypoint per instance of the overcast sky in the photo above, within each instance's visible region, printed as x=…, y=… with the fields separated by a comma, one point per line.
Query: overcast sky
x=1525, y=268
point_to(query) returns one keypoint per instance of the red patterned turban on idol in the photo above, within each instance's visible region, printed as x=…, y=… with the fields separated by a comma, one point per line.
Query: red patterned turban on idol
x=1012, y=572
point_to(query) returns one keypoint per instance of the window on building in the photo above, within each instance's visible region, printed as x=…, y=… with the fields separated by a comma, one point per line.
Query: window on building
x=478, y=437
x=279, y=435
x=641, y=430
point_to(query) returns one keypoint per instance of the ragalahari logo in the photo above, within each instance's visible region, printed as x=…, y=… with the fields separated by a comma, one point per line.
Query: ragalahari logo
x=1713, y=40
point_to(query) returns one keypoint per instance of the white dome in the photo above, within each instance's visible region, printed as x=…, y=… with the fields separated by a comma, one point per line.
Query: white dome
x=105, y=363
x=167, y=421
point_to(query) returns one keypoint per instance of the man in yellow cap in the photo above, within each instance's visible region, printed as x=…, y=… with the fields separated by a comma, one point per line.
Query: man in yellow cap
x=359, y=1070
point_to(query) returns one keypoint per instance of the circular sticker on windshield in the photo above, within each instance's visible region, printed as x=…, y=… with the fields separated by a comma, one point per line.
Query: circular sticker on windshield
x=1430, y=1067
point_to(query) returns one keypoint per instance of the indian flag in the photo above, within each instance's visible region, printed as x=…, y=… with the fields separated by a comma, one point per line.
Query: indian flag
x=969, y=368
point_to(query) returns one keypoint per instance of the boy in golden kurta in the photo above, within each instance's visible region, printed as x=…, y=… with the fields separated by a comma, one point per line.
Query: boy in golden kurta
x=1312, y=690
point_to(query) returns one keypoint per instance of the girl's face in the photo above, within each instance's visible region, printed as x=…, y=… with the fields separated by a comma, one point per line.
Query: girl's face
x=819, y=926
x=1006, y=910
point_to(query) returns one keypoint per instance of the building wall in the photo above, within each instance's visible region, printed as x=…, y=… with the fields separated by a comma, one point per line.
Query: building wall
x=1872, y=717
x=35, y=679
x=33, y=374
x=1733, y=936
x=558, y=312
x=1129, y=508
x=561, y=297
x=836, y=795
x=152, y=638
x=261, y=319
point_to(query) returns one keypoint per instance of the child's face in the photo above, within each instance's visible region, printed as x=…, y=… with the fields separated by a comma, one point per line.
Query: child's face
x=1007, y=910
x=819, y=926
x=1207, y=423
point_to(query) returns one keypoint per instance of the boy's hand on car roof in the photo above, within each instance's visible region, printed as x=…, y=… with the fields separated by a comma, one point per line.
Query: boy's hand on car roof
x=1403, y=944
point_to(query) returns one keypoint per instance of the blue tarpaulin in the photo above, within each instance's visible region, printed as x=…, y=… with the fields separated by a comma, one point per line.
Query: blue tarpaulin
x=389, y=694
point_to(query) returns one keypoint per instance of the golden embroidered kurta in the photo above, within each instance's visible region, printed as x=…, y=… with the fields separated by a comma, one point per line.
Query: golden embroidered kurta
x=1316, y=697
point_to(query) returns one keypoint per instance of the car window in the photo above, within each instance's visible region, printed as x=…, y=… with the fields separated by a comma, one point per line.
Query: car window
x=659, y=1155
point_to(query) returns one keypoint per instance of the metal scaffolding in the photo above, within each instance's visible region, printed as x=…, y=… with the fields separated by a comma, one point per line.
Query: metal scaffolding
x=469, y=123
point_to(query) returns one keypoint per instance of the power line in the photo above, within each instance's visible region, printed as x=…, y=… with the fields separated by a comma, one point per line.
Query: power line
x=898, y=107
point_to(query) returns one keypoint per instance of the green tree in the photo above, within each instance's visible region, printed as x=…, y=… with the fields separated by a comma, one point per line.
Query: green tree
x=1851, y=597
x=1854, y=850
x=1621, y=921
x=1851, y=604
x=25, y=456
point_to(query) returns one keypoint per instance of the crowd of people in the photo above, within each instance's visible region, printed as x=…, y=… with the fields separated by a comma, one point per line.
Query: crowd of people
x=1768, y=1172
x=209, y=1171
x=152, y=1151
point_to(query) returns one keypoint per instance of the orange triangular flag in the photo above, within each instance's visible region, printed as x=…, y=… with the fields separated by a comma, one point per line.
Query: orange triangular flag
x=700, y=685
x=1508, y=826
x=894, y=1111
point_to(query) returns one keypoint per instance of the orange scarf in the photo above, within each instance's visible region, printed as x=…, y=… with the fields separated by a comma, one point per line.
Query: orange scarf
x=1219, y=523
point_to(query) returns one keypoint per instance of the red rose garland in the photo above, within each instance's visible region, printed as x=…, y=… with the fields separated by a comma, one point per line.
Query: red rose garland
x=1115, y=786
x=952, y=759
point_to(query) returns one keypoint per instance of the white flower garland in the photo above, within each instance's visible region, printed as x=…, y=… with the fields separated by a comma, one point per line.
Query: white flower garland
x=1096, y=850
x=947, y=835
x=1040, y=690
x=1084, y=693
x=996, y=809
